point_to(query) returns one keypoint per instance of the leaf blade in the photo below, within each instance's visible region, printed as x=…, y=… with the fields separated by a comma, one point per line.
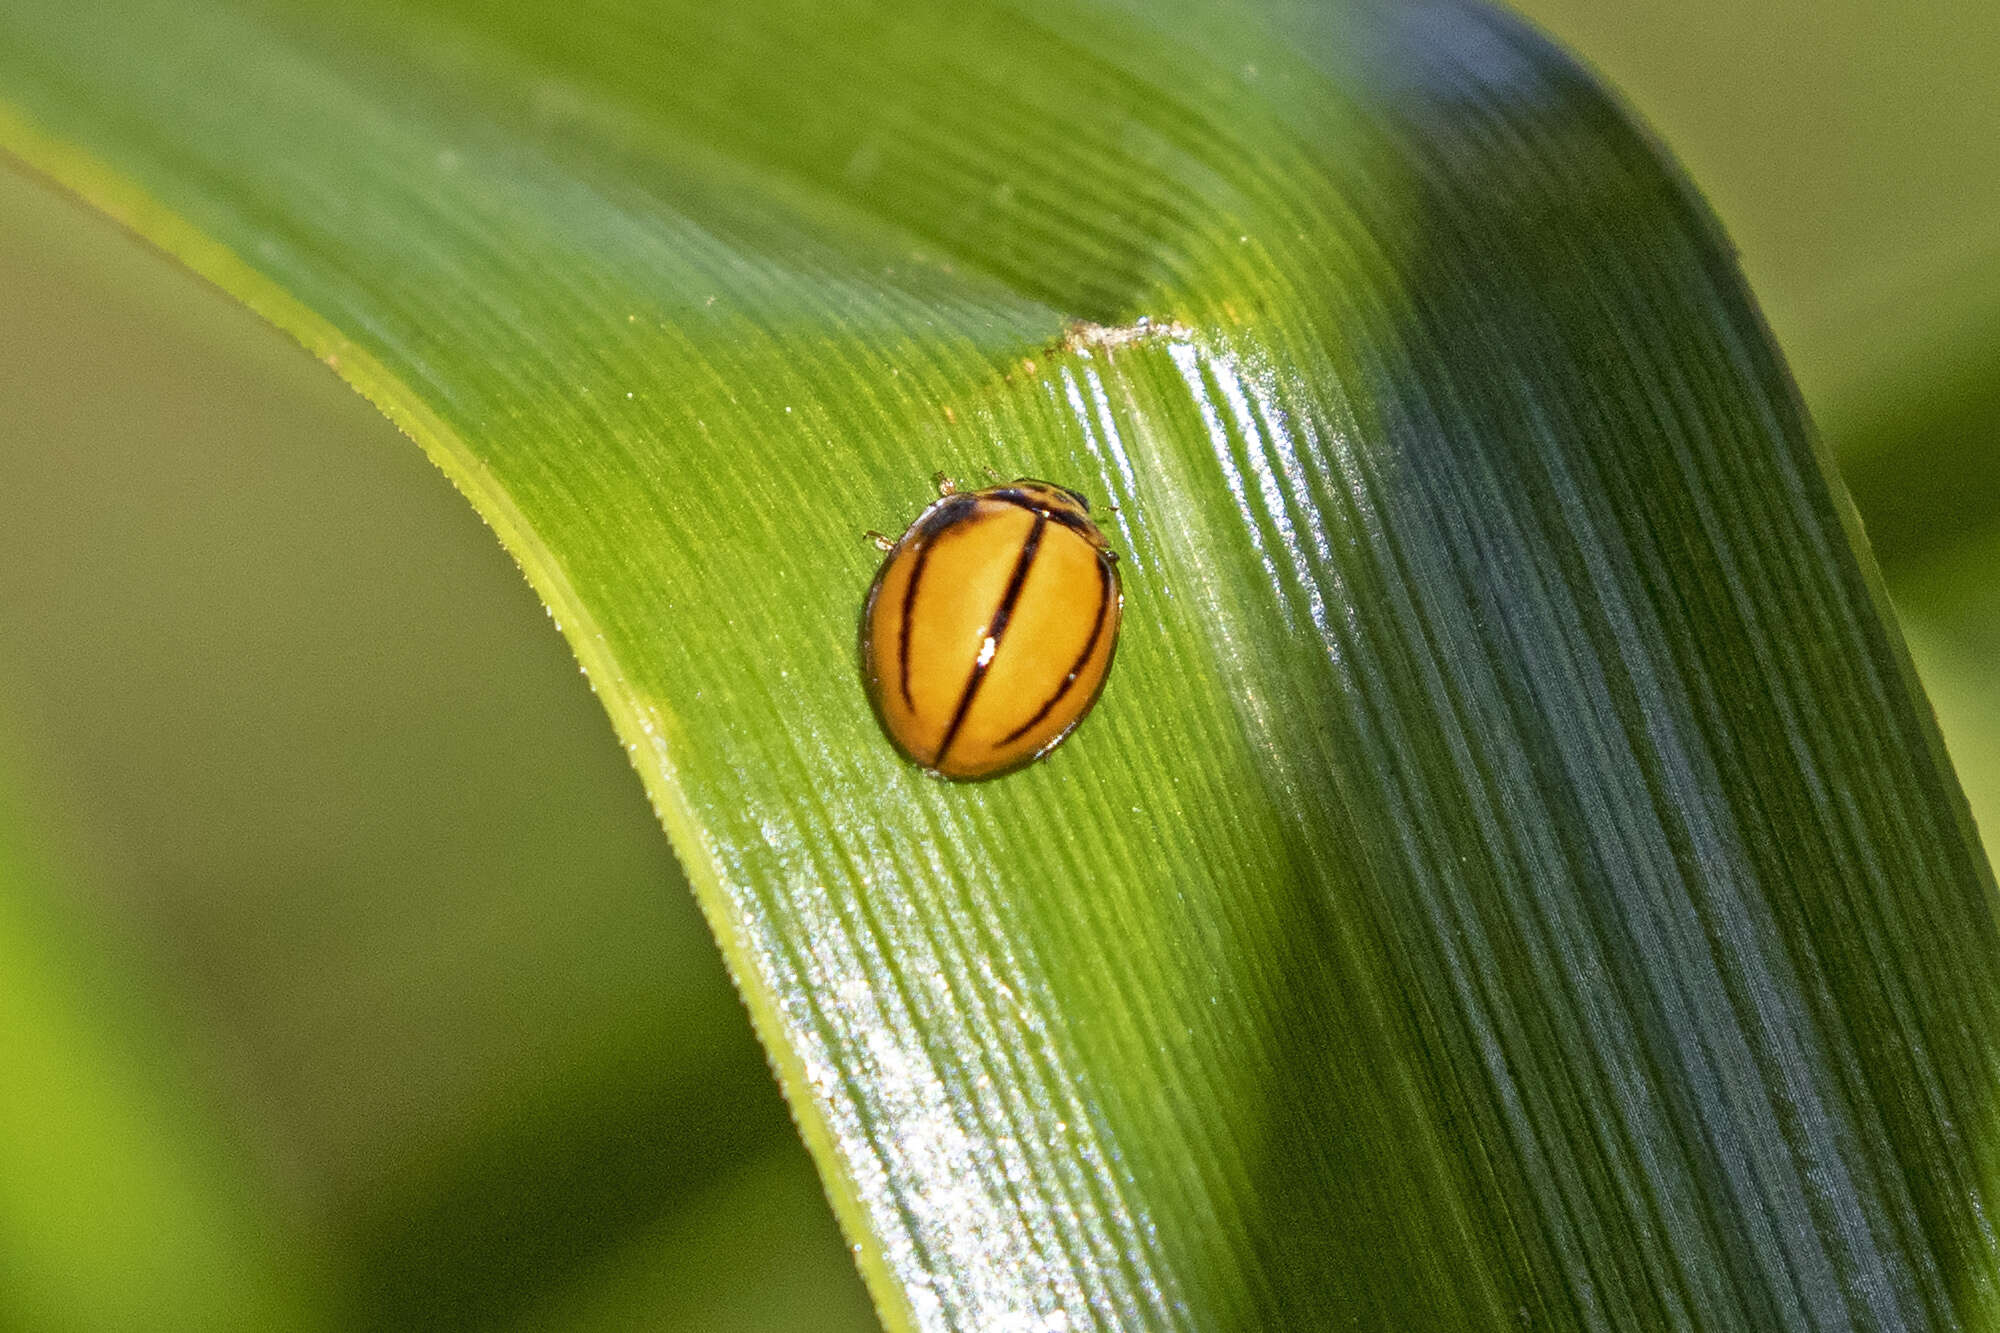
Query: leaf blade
x=1466, y=743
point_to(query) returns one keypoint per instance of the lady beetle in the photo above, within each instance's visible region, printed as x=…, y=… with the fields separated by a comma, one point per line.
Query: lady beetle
x=989, y=629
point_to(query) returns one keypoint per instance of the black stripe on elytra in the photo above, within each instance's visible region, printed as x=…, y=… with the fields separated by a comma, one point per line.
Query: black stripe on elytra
x=1082, y=658
x=1060, y=517
x=994, y=631
x=948, y=513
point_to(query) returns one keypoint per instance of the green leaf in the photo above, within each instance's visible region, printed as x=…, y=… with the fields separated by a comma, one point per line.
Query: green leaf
x=1511, y=876
x=438, y=984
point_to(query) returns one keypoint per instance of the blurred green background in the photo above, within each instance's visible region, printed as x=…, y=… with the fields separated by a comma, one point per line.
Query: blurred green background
x=345, y=978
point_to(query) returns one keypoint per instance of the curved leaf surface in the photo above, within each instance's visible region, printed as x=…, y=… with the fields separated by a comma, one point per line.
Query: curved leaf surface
x=1512, y=876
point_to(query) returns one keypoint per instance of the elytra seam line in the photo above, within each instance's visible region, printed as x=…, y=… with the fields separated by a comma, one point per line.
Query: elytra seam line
x=995, y=631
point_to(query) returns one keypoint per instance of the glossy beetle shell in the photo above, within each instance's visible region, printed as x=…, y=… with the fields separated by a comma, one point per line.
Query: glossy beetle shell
x=990, y=627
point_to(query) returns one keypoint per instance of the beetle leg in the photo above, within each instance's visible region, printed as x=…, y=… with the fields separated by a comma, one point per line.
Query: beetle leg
x=945, y=485
x=882, y=541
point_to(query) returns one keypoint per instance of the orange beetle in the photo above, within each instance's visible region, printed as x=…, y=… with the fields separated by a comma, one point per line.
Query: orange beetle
x=989, y=629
